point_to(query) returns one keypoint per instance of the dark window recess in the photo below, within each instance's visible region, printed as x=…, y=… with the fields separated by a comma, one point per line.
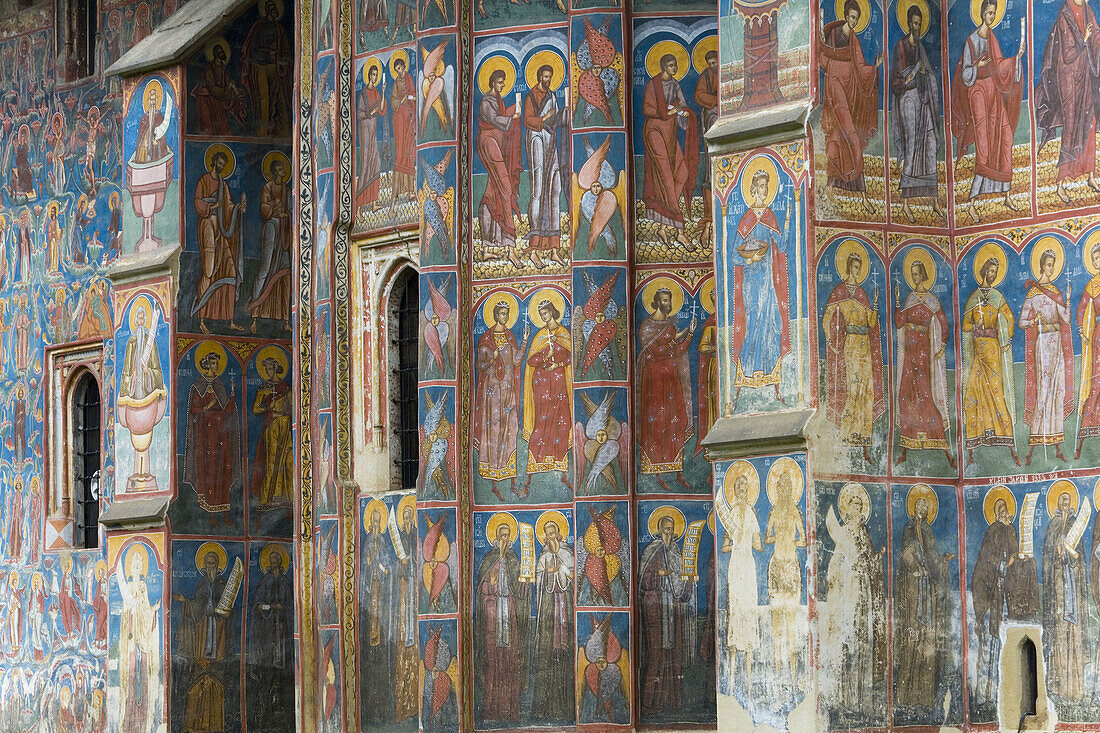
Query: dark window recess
x=81, y=33
x=86, y=462
x=406, y=295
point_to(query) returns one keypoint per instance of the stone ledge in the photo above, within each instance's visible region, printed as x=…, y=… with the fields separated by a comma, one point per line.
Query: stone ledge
x=771, y=432
x=765, y=127
x=140, y=266
x=135, y=513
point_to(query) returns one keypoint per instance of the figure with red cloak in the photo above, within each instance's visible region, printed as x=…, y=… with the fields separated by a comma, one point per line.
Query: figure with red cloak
x=220, y=253
x=271, y=289
x=670, y=169
x=498, y=146
x=266, y=65
x=217, y=97
x=368, y=112
x=665, y=408
x=985, y=107
x=853, y=359
x=1088, y=318
x=497, y=411
x=504, y=614
x=760, y=316
x=922, y=416
x=99, y=610
x=1048, y=358
x=212, y=453
x=1067, y=93
x=547, y=397
x=403, y=107
x=706, y=96
x=15, y=521
x=67, y=596
x=849, y=95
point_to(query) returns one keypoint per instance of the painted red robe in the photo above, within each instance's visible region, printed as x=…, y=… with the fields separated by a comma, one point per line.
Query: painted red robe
x=1088, y=321
x=669, y=169
x=548, y=389
x=986, y=112
x=664, y=396
x=500, y=153
x=849, y=115
x=404, y=125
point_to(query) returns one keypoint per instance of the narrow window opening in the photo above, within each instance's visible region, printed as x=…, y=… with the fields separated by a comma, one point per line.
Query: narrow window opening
x=86, y=464
x=406, y=296
x=79, y=36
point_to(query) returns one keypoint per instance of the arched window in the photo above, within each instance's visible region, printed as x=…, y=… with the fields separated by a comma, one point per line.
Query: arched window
x=85, y=412
x=405, y=344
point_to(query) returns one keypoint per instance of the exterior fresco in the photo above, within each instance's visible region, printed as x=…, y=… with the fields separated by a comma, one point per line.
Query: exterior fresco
x=764, y=56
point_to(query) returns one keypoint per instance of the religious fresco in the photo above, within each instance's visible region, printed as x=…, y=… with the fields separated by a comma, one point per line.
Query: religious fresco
x=673, y=215
x=210, y=465
x=521, y=166
x=388, y=603
x=603, y=558
x=151, y=146
x=438, y=326
x=522, y=422
x=992, y=140
x=597, y=71
x=674, y=398
x=328, y=570
x=324, y=116
x=379, y=24
x=437, y=477
x=493, y=14
x=523, y=591
x=599, y=196
x=849, y=139
x=917, y=172
x=600, y=350
x=676, y=612
x=601, y=437
x=436, y=181
x=761, y=584
x=385, y=139
x=439, y=675
x=438, y=571
x=143, y=383
x=764, y=54
x=322, y=256
x=762, y=280
x=437, y=100
x=235, y=266
x=330, y=673
x=269, y=638
x=269, y=443
x=206, y=621
x=604, y=665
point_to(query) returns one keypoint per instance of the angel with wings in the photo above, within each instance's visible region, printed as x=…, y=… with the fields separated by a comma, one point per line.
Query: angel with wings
x=600, y=65
x=436, y=77
x=601, y=321
x=601, y=439
x=601, y=192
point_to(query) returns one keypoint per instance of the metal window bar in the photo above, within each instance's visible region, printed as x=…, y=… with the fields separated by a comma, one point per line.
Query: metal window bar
x=86, y=463
x=405, y=399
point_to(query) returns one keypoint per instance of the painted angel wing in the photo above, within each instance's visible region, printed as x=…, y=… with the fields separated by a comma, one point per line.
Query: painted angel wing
x=169, y=109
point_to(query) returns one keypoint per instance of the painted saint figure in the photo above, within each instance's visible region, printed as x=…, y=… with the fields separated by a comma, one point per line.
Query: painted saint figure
x=985, y=108
x=406, y=656
x=376, y=579
x=139, y=660
x=220, y=248
x=271, y=290
x=498, y=394
x=403, y=108
x=547, y=396
x=786, y=532
x=271, y=644
x=212, y=453
x=760, y=330
x=915, y=109
x=1066, y=95
x=546, y=128
x=498, y=147
x=267, y=63
x=987, y=326
x=706, y=96
x=742, y=599
x=273, y=469
x=217, y=98
x=922, y=409
x=1065, y=613
x=368, y=112
x=1048, y=357
x=554, y=653
x=849, y=97
x=853, y=357
x=1088, y=318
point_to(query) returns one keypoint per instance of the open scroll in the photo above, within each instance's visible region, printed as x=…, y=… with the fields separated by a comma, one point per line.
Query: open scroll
x=691, y=550
x=395, y=537
x=232, y=587
x=1027, y=525
x=1080, y=524
x=526, y=553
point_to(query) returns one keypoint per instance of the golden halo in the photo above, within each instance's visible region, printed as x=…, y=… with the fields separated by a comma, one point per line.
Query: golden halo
x=230, y=159
x=274, y=549
x=847, y=247
x=408, y=501
x=494, y=524
x=757, y=163
x=153, y=95
x=554, y=296
x=66, y=562
x=785, y=467
x=205, y=549
x=851, y=491
x=864, y=13
x=216, y=42
x=662, y=49
x=736, y=470
x=271, y=351
x=372, y=63
x=660, y=513
x=491, y=64
x=988, y=251
x=976, y=12
x=994, y=495
x=261, y=6
x=1043, y=245
x=368, y=513
x=36, y=582
x=903, y=12
x=658, y=283
x=100, y=570
x=136, y=550
x=491, y=303
x=144, y=304
x=398, y=54
x=707, y=297
x=269, y=161
x=551, y=516
x=211, y=347
x=923, y=256
x=710, y=522
x=1086, y=251
x=1062, y=486
x=545, y=57
x=702, y=48
x=1095, y=493
x=922, y=491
